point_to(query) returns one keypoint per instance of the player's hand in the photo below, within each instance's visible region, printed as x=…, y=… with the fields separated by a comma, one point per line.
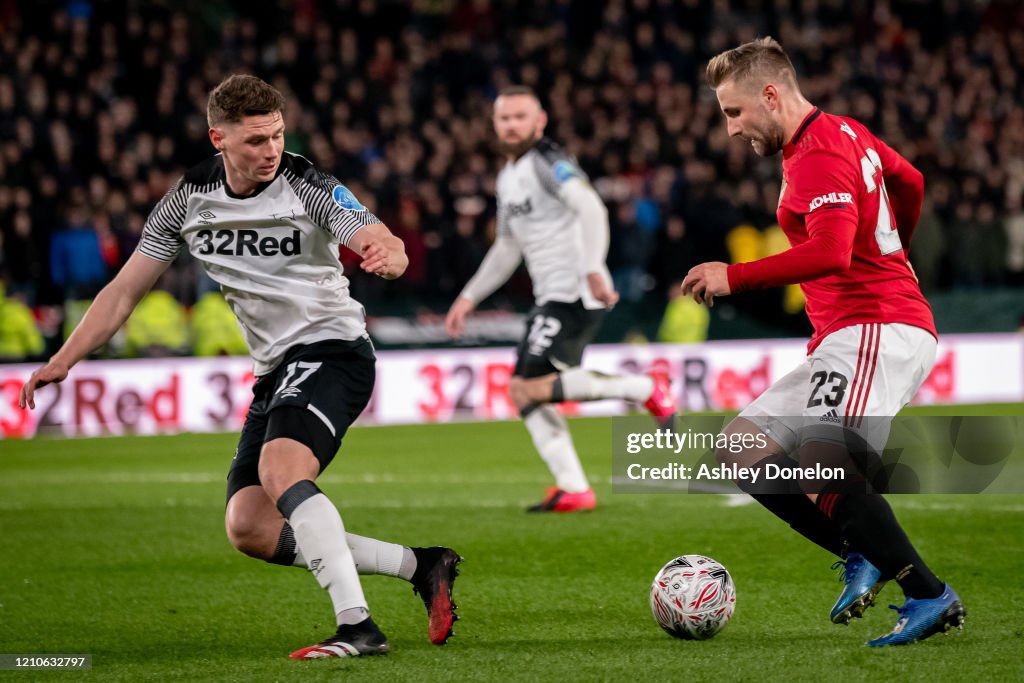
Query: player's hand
x=455, y=322
x=602, y=290
x=384, y=257
x=706, y=281
x=51, y=373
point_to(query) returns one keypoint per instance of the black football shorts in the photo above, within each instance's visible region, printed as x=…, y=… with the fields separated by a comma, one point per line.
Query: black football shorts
x=556, y=334
x=313, y=397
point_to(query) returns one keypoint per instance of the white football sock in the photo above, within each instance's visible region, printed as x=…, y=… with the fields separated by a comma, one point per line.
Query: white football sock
x=372, y=557
x=554, y=443
x=379, y=557
x=320, y=537
x=353, y=615
x=579, y=384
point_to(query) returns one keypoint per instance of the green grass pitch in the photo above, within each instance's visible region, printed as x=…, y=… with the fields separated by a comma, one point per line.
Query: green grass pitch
x=115, y=547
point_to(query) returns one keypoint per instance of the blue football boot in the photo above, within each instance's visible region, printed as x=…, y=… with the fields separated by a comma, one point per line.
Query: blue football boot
x=862, y=582
x=922, y=618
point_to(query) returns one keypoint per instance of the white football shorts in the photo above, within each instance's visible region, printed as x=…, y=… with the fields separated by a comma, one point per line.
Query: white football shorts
x=871, y=370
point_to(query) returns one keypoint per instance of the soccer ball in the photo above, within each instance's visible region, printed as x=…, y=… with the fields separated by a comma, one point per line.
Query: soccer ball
x=693, y=597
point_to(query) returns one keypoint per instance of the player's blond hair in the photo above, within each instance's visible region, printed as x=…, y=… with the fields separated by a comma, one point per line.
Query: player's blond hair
x=241, y=95
x=761, y=59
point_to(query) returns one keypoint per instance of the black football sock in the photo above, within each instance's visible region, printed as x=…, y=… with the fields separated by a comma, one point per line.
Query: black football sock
x=784, y=499
x=805, y=518
x=868, y=521
x=286, y=551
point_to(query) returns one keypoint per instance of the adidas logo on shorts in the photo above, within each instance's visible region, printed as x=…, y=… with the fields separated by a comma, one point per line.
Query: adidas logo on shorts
x=830, y=416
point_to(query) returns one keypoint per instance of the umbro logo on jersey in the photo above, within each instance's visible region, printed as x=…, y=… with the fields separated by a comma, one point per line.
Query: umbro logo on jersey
x=512, y=209
x=831, y=198
x=246, y=242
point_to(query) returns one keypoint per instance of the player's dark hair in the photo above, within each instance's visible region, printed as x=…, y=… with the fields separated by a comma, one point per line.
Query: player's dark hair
x=763, y=58
x=241, y=95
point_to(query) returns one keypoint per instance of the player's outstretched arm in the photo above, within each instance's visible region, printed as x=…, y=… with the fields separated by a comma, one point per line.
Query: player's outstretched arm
x=105, y=316
x=501, y=261
x=383, y=253
x=828, y=251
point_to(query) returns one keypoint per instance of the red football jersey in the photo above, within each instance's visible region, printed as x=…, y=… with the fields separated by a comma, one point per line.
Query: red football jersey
x=849, y=205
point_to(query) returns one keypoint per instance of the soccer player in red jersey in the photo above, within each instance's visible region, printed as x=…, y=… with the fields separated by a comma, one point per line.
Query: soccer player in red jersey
x=849, y=205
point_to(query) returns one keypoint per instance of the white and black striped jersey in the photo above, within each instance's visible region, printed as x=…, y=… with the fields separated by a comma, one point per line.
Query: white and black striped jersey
x=274, y=254
x=534, y=212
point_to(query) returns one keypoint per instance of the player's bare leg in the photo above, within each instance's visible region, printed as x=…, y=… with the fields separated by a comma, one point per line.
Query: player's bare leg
x=254, y=526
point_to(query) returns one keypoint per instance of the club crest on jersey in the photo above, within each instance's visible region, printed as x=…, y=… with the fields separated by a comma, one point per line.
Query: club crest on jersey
x=564, y=170
x=345, y=199
x=831, y=198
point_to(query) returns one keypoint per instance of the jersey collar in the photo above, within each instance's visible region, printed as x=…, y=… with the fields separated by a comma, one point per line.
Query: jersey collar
x=259, y=188
x=808, y=120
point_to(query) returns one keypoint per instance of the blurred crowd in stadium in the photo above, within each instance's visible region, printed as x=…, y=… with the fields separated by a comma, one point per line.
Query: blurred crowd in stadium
x=102, y=106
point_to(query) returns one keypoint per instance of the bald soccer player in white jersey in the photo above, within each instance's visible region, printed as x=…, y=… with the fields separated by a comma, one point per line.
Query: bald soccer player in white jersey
x=265, y=225
x=550, y=215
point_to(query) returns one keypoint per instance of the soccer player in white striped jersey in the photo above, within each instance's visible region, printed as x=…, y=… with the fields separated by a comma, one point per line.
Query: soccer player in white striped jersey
x=549, y=215
x=265, y=225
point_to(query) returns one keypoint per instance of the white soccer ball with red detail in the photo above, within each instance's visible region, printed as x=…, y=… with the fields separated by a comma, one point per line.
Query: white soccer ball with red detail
x=693, y=597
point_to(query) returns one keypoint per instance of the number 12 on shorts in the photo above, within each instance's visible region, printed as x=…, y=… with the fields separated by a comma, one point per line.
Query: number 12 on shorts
x=542, y=332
